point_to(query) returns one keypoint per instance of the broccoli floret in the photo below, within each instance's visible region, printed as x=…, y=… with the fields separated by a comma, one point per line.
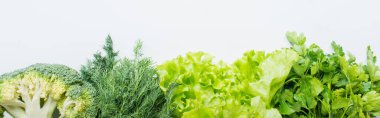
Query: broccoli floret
x=38, y=90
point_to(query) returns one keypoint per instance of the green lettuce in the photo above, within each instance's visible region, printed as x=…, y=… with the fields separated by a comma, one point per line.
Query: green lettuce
x=198, y=87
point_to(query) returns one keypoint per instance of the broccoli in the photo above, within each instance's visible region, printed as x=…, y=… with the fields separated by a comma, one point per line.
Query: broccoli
x=41, y=89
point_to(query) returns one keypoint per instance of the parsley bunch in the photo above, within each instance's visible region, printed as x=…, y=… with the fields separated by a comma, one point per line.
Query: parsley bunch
x=329, y=85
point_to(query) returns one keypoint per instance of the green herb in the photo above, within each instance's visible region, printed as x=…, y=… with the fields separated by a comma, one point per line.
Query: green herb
x=328, y=85
x=126, y=87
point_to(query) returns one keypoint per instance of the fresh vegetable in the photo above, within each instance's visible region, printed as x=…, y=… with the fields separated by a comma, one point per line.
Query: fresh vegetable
x=38, y=90
x=194, y=86
x=197, y=87
x=126, y=87
x=297, y=82
x=328, y=85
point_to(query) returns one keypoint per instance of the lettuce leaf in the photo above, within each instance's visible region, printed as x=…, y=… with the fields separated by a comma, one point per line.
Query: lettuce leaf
x=242, y=89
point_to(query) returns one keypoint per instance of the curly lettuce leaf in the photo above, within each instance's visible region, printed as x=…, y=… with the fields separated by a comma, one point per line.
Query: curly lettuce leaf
x=200, y=84
x=274, y=71
x=243, y=89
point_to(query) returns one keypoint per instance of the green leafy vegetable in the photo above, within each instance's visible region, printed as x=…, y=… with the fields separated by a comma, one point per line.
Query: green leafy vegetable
x=244, y=89
x=328, y=85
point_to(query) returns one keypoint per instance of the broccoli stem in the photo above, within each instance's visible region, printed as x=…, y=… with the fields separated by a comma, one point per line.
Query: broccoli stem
x=50, y=106
x=15, y=111
x=31, y=105
x=13, y=103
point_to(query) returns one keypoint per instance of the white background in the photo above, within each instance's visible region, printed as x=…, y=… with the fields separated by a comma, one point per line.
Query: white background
x=70, y=31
